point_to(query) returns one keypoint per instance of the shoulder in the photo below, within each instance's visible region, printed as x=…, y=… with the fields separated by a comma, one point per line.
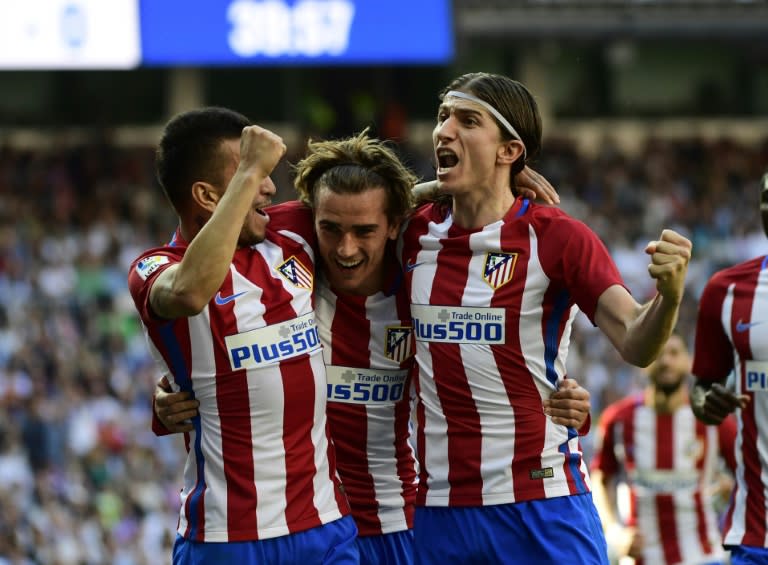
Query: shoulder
x=288, y=215
x=736, y=272
x=155, y=259
x=543, y=216
x=621, y=409
x=291, y=219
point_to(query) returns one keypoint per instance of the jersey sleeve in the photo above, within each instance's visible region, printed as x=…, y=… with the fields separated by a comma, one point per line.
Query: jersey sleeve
x=293, y=217
x=141, y=276
x=573, y=252
x=713, y=350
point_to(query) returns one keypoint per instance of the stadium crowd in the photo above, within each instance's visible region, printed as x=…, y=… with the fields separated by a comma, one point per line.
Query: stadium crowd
x=82, y=478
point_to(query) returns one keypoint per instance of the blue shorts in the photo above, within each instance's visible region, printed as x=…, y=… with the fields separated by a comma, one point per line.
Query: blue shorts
x=555, y=531
x=748, y=555
x=332, y=543
x=387, y=549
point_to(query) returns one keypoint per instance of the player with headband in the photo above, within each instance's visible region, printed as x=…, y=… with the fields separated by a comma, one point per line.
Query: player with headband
x=495, y=282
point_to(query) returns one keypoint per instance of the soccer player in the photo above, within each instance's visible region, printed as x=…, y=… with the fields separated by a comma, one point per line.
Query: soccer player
x=670, y=462
x=360, y=193
x=227, y=308
x=732, y=339
x=494, y=283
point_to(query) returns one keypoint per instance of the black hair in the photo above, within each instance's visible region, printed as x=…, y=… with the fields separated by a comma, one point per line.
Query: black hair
x=190, y=150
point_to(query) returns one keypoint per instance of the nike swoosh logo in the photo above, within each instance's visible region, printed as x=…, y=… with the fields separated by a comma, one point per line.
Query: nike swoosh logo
x=744, y=326
x=222, y=300
x=411, y=266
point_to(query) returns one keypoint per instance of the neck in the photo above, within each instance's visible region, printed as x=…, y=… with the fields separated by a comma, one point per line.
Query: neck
x=663, y=402
x=190, y=226
x=475, y=209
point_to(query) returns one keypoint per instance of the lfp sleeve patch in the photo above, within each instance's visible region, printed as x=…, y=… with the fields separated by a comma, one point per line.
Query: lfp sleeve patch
x=149, y=265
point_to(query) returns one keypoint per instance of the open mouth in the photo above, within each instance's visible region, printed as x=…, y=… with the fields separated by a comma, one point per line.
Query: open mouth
x=348, y=265
x=446, y=159
x=260, y=210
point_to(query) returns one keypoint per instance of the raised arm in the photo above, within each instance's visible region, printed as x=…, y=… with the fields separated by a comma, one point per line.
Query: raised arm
x=639, y=331
x=184, y=289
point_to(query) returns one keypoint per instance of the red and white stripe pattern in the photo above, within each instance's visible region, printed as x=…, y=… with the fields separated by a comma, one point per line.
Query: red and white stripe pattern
x=489, y=349
x=732, y=335
x=260, y=463
x=668, y=461
x=368, y=341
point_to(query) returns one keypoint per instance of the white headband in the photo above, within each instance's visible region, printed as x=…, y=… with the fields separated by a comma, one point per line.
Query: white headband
x=494, y=112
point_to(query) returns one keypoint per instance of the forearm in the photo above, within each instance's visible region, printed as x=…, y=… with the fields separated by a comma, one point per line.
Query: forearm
x=604, y=496
x=650, y=330
x=192, y=283
x=209, y=255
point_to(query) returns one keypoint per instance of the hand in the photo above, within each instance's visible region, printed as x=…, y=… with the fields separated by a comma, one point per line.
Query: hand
x=568, y=405
x=425, y=192
x=175, y=409
x=260, y=150
x=713, y=405
x=624, y=541
x=669, y=264
x=636, y=543
x=532, y=185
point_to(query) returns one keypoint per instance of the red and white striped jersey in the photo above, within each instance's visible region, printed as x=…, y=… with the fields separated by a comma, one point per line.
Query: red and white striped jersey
x=259, y=463
x=732, y=335
x=492, y=312
x=668, y=462
x=368, y=350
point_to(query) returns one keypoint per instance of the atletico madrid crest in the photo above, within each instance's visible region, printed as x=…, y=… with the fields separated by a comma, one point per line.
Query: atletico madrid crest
x=296, y=273
x=498, y=268
x=398, y=346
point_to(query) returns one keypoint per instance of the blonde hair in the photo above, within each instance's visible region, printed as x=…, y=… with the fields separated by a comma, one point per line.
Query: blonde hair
x=353, y=165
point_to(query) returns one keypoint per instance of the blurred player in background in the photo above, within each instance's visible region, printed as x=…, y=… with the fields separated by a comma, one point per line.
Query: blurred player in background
x=670, y=462
x=227, y=307
x=732, y=339
x=494, y=283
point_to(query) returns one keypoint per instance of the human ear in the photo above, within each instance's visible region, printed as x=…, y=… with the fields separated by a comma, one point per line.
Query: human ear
x=510, y=151
x=205, y=195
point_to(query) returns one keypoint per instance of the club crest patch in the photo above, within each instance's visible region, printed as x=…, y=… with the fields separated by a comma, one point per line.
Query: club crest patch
x=398, y=343
x=296, y=273
x=149, y=265
x=498, y=268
